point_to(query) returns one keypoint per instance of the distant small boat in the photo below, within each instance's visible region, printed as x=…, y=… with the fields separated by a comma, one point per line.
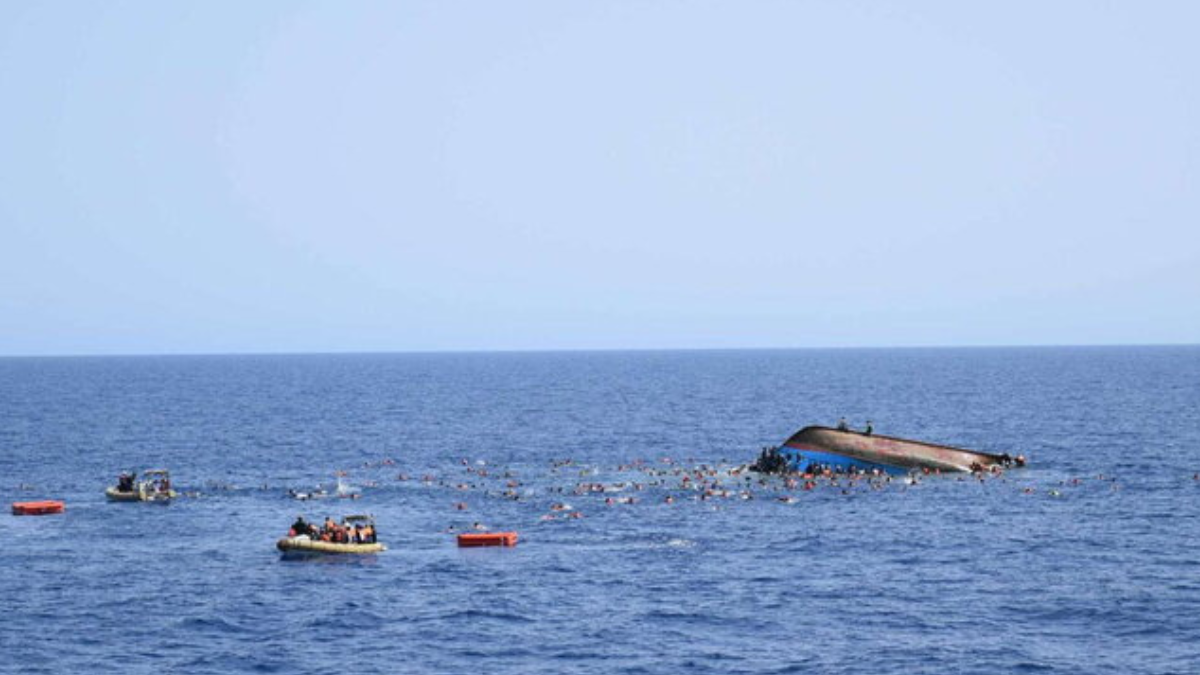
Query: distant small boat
x=816, y=448
x=155, y=486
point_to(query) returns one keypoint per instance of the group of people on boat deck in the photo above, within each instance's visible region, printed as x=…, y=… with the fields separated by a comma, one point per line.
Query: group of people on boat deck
x=127, y=482
x=334, y=533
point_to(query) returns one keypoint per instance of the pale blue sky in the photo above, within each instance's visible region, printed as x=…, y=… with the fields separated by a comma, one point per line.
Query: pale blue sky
x=261, y=177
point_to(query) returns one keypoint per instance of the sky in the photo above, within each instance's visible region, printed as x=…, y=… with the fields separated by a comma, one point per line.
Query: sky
x=240, y=177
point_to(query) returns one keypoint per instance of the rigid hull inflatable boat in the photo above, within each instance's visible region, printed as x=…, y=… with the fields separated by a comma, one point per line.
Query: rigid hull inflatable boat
x=303, y=545
x=332, y=540
x=155, y=486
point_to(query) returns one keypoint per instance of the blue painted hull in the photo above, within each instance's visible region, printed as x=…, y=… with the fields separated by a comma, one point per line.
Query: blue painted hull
x=806, y=460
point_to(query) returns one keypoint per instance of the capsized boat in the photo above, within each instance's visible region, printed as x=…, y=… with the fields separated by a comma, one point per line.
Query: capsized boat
x=815, y=448
x=304, y=545
x=155, y=486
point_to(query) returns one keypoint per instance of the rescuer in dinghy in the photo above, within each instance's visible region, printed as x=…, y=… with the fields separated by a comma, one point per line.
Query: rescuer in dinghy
x=303, y=528
x=125, y=482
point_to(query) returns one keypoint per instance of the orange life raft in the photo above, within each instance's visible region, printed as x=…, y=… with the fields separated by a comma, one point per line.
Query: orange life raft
x=41, y=508
x=487, y=539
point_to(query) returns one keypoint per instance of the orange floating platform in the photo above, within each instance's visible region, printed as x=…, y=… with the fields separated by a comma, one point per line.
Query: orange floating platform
x=42, y=508
x=487, y=539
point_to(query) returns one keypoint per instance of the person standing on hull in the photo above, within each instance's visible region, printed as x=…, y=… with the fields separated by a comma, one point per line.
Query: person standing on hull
x=842, y=426
x=870, y=428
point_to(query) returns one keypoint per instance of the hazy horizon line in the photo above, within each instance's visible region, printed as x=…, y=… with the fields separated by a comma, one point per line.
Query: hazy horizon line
x=593, y=350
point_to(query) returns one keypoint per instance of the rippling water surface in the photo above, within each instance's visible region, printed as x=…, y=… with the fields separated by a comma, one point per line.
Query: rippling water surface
x=1086, y=562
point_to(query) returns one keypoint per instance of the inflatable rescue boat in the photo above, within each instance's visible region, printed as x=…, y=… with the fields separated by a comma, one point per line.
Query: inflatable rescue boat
x=155, y=486
x=304, y=545
x=297, y=545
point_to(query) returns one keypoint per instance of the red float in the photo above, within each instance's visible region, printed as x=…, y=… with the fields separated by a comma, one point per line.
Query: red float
x=487, y=539
x=42, y=508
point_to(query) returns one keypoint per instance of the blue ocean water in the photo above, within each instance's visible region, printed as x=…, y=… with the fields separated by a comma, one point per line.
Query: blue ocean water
x=1088, y=561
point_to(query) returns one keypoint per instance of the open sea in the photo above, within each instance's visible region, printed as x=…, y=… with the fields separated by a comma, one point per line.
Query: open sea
x=1087, y=561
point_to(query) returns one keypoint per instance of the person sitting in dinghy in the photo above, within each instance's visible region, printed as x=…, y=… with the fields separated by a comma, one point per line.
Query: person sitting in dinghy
x=300, y=528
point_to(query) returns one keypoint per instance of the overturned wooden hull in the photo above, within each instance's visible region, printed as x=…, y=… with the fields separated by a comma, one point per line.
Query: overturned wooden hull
x=817, y=448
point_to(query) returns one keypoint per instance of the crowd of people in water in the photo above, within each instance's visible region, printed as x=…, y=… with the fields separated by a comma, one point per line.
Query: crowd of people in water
x=665, y=481
x=777, y=475
x=774, y=476
x=335, y=533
